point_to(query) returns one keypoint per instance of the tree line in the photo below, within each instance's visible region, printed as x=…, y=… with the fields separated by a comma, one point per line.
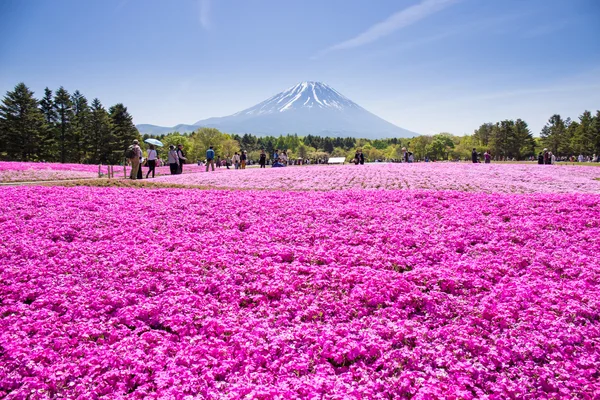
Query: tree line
x=505, y=140
x=63, y=127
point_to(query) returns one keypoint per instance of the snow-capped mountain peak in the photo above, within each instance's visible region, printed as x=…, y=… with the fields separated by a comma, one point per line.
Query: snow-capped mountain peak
x=305, y=95
x=308, y=108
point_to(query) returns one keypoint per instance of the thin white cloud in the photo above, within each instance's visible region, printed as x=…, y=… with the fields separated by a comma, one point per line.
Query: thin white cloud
x=204, y=6
x=394, y=22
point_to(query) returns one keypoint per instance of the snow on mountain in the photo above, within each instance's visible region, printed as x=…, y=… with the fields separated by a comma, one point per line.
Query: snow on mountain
x=306, y=108
x=302, y=95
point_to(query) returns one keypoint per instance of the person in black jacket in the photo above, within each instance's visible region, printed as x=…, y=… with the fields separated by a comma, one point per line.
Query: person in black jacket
x=243, y=159
x=182, y=159
x=263, y=159
x=474, y=156
x=541, y=158
x=361, y=157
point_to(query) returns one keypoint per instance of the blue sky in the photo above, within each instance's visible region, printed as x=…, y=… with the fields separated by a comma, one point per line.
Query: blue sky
x=425, y=65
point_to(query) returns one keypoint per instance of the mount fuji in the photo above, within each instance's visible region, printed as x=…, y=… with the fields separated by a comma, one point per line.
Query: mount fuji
x=306, y=108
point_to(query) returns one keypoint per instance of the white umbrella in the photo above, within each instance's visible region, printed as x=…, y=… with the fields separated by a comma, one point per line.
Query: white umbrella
x=154, y=142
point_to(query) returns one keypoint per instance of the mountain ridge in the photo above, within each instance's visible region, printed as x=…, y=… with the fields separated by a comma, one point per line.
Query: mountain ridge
x=306, y=108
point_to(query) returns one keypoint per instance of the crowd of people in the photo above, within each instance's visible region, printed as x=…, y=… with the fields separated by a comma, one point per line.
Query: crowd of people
x=240, y=160
x=176, y=158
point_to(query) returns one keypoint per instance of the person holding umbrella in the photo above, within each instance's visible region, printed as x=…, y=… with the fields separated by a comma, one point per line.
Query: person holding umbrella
x=151, y=160
x=152, y=155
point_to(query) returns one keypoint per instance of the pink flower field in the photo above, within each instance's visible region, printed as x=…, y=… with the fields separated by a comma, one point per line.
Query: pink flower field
x=346, y=294
x=490, y=178
x=11, y=171
x=34, y=171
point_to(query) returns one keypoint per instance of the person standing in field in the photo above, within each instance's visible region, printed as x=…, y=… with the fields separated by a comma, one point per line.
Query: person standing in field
x=135, y=155
x=173, y=160
x=151, y=160
x=210, y=158
x=218, y=161
x=236, y=160
x=263, y=159
x=140, y=174
x=243, y=159
x=181, y=156
x=488, y=157
x=283, y=157
x=474, y=156
x=361, y=157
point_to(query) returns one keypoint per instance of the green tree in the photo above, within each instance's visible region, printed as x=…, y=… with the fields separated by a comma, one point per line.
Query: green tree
x=302, y=151
x=554, y=133
x=418, y=146
x=379, y=144
x=123, y=132
x=21, y=124
x=249, y=142
x=582, y=137
x=596, y=133
x=202, y=139
x=230, y=146
x=338, y=152
x=48, y=137
x=99, y=140
x=440, y=147
x=524, y=144
x=81, y=117
x=484, y=133
x=327, y=144
x=64, y=110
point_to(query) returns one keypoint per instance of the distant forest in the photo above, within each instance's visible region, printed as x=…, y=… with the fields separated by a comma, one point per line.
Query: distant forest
x=64, y=127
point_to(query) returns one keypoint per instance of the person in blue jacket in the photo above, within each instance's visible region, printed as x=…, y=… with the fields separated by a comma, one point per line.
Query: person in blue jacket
x=210, y=158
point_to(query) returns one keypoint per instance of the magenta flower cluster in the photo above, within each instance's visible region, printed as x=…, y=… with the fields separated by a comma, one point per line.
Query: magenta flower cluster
x=350, y=294
x=11, y=171
x=490, y=178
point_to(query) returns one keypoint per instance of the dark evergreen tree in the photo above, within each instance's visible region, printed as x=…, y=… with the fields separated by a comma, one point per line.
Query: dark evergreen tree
x=123, y=132
x=81, y=116
x=249, y=142
x=64, y=110
x=582, y=135
x=523, y=143
x=553, y=136
x=499, y=139
x=21, y=124
x=484, y=133
x=596, y=134
x=327, y=145
x=349, y=143
x=48, y=138
x=99, y=140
